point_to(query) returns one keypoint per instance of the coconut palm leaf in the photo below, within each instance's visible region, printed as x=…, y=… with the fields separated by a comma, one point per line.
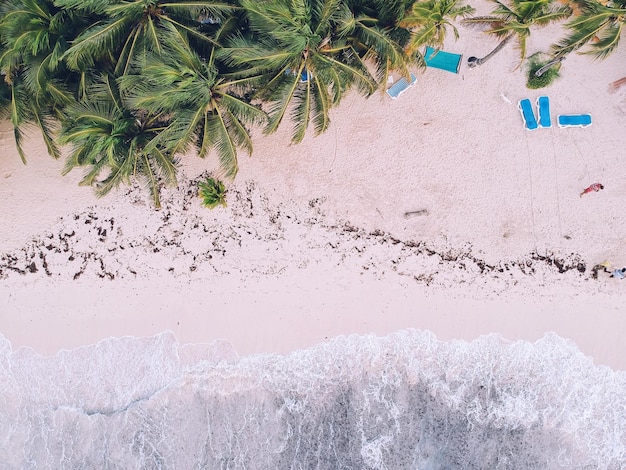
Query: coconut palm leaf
x=202, y=108
x=322, y=104
x=599, y=27
x=515, y=21
x=35, y=34
x=379, y=48
x=217, y=135
x=130, y=28
x=116, y=144
x=430, y=20
x=298, y=48
x=5, y=100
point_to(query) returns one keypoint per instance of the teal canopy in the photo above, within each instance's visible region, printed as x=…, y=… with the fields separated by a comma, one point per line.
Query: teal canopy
x=442, y=60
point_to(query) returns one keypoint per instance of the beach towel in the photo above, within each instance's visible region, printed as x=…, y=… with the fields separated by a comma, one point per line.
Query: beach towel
x=442, y=60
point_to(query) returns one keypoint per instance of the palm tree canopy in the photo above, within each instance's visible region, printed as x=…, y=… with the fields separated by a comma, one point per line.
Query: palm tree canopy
x=429, y=20
x=202, y=108
x=34, y=35
x=599, y=26
x=115, y=143
x=304, y=56
x=127, y=27
x=517, y=19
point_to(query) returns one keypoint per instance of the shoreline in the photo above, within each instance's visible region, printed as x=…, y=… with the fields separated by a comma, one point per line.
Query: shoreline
x=258, y=322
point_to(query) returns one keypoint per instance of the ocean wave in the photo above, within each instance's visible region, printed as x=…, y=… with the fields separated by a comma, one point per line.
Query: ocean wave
x=406, y=400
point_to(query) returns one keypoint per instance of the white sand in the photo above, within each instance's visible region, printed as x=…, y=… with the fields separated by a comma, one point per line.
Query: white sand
x=279, y=269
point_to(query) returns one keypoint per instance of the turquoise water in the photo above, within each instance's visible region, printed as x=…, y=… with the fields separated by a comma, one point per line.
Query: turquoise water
x=359, y=402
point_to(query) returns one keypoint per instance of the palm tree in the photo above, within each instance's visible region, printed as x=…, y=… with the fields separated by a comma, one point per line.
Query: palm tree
x=35, y=34
x=115, y=143
x=127, y=28
x=429, y=21
x=598, y=25
x=377, y=35
x=201, y=106
x=304, y=55
x=515, y=22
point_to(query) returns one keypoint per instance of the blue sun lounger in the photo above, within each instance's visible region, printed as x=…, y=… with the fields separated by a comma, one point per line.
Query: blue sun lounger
x=526, y=108
x=543, y=104
x=305, y=76
x=401, y=86
x=442, y=60
x=574, y=120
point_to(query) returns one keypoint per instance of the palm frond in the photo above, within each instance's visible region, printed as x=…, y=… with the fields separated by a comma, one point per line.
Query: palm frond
x=17, y=122
x=120, y=171
x=239, y=133
x=608, y=41
x=152, y=180
x=324, y=12
x=282, y=93
x=270, y=17
x=217, y=127
x=95, y=42
x=85, y=6
x=46, y=132
x=301, y=112
x=322, y=104
x=596, y=21
x=167, y=166
x=244, y=111
x=193, y=9
x=356, y=71
x=189, y=31
x=380, y=44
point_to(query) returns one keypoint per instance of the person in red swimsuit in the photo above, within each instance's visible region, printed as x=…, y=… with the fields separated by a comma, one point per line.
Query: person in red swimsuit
x=594, y=187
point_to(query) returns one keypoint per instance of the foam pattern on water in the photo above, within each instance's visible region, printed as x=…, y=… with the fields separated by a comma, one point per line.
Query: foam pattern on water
x=359, y=402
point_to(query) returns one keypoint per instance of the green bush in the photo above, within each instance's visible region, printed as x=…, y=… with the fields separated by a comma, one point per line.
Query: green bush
x=535, y=62
x=212, y=192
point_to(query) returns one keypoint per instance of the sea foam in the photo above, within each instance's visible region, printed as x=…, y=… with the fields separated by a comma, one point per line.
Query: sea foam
x=359, y=402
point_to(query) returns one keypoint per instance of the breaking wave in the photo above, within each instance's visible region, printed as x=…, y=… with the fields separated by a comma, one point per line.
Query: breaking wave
x=361, y=402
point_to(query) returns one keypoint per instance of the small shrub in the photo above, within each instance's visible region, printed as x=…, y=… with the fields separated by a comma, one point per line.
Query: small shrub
x=535, y=62
x=212, y=192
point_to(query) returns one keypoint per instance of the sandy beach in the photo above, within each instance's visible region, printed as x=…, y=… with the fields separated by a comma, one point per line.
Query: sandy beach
x=434, y=211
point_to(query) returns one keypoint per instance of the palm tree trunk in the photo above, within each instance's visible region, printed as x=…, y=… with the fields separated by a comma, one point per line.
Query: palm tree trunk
x=545, y=68
x=474, y=61
x=613, y=87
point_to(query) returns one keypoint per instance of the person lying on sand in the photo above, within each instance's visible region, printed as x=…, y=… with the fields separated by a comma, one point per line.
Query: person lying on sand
x=594, y=187
x=617, y=273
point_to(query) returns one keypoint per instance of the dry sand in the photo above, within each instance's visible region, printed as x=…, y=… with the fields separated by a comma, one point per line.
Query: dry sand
x=315, y=242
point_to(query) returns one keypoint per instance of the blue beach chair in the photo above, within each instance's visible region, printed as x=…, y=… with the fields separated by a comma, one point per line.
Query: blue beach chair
x=305, y=76
x=574, y=120
x=401, y=86
x=526, y=108
x=442, y=60
x=543, y=104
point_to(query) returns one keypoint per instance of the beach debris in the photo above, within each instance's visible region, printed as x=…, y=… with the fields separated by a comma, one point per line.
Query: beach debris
x=604, y=266
x=614, y=86
x=595, y=187
x=182, y=241
x=410, y=214
x=504, y=97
